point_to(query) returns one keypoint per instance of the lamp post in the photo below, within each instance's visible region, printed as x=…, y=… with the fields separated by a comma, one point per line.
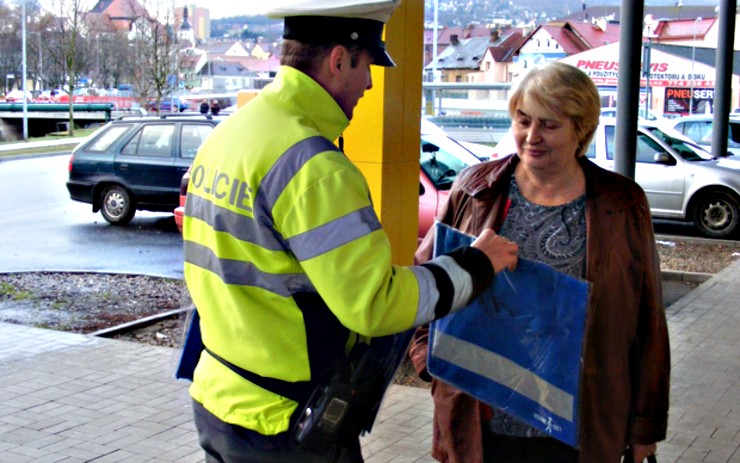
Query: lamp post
x=693, y=57
x=24, y=81
x=648, y=32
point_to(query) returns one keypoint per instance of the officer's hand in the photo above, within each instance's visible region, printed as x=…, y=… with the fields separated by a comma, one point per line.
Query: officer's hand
x=500, y=251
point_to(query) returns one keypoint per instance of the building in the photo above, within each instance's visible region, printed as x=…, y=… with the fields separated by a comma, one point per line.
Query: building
x=679, y=77
x=199, y=18
x=114, y=15
x=476, y=58
x=556, y=40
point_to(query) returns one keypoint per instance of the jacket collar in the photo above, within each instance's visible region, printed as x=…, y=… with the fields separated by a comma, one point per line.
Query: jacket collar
x=492, y=178
x=295, y=88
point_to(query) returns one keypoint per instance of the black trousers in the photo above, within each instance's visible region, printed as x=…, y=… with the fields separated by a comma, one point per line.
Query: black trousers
x=227, y=443
x=508, y=449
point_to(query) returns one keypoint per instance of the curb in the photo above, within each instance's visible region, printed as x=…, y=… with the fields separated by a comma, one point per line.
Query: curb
x=40, y=144
x=686, y=277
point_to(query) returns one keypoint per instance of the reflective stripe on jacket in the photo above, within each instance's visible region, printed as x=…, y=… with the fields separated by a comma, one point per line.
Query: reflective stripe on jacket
x=275, y=216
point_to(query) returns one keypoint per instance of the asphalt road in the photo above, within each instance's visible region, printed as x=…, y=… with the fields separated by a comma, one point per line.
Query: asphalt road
x=41, y=228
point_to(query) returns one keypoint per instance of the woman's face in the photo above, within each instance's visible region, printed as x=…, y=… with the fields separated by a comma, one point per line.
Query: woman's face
x=545, y=139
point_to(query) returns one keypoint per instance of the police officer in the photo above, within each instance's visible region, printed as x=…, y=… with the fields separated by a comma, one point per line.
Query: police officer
x=285, y=258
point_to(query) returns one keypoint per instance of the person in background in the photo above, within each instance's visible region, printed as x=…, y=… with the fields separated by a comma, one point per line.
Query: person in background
x=204, y=107
x=286, y=260
x=589, y=223
x=215, y=108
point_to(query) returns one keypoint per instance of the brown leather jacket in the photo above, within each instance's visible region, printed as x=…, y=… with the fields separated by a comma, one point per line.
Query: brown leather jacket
x=626, y=363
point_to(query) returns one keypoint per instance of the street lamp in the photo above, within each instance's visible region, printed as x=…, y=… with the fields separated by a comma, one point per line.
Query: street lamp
x=648, y=32
x=693, y=57
x=24, y=82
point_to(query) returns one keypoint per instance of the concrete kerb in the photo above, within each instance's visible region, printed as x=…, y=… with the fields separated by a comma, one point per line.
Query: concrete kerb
x=40, y=144
x=685, y=277
x=23, y=150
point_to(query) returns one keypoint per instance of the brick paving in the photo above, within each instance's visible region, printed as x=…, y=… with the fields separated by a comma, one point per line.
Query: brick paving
x=75, y=398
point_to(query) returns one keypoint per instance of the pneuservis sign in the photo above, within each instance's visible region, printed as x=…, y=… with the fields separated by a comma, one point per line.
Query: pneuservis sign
x=666, y=70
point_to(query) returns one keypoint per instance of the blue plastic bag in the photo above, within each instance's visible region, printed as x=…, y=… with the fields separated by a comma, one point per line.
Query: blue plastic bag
x=518, y=346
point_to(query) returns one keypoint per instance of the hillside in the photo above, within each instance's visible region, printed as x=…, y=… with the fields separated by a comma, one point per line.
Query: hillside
x=458, y=13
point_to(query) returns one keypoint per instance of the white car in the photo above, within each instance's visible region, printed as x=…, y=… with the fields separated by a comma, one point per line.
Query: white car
x=651, y=116
x=682, y=181
x=698, y=128
x=17, y=95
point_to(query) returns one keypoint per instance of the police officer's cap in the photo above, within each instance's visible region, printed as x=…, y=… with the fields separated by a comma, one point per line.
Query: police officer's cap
x=343, y=21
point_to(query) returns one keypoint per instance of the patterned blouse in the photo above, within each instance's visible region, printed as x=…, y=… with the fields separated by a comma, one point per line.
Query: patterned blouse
x=553, y=235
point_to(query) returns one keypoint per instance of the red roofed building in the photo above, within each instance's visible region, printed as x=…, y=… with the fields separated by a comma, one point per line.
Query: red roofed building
x=554, y=41
x=479, y=58
x=114, y=15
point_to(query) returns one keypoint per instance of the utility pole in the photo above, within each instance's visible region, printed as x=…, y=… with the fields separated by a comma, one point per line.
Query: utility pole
x=24, y=83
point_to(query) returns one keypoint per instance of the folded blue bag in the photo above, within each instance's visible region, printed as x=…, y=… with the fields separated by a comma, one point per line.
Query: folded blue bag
x=517, y=346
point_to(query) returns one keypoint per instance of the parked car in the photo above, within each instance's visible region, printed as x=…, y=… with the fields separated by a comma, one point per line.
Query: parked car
x=441, y=159
x=17, y=95
x=682, y=180
x=168, y=105
x=651, y=116
x=52, y=95
x=136, y=163
x=698, y=128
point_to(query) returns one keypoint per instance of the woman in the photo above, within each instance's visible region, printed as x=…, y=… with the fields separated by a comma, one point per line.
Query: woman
x=565, y=211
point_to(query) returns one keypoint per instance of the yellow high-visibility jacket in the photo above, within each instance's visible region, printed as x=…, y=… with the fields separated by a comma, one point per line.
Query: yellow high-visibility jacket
x=285, y=258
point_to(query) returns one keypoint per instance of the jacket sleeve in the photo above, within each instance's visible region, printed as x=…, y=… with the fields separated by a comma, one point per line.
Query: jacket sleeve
x=347, y=256
x=650, y=353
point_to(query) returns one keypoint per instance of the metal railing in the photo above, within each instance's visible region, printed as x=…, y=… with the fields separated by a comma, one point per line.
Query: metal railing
x=470, y=111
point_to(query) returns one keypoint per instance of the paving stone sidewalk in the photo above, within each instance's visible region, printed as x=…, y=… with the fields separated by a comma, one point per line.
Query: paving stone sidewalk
x=74, y=398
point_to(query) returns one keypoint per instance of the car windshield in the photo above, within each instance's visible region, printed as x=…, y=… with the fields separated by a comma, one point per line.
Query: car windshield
x=442, y=159
x=687, y=150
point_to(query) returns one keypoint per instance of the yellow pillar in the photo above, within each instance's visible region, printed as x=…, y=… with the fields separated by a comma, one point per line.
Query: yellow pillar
x=384, y=137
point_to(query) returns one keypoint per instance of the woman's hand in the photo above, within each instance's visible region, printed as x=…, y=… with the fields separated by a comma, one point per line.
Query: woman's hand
x=640, y=452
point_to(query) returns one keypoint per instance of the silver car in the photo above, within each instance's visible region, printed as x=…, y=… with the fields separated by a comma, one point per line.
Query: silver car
x=682, y=180
x=699, y=128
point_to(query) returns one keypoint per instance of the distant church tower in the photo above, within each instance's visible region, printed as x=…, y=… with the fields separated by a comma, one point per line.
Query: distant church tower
x=186, y=32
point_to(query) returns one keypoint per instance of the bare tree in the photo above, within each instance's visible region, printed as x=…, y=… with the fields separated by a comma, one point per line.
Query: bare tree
x=156, y=45
x=70, y=48
x=10, y=47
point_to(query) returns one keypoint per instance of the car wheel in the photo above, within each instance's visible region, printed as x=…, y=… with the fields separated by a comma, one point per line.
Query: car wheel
x=717, y=215
x=116, y=205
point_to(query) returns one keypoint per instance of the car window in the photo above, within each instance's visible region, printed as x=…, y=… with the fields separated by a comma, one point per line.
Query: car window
x=442, y=159
x=152, y=140
x=609, y=131
x=646, y=147
x=700, y=131
x=687, y=150
x=733, y=134
x=193, y=135
x=103, y=141
x=591, y=151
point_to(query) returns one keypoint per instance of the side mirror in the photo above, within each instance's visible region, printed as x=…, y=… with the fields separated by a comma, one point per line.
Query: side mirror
x=663, y=158
x=422, y=190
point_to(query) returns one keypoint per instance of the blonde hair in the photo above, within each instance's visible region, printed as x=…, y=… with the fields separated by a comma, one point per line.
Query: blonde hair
x=566, y=90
